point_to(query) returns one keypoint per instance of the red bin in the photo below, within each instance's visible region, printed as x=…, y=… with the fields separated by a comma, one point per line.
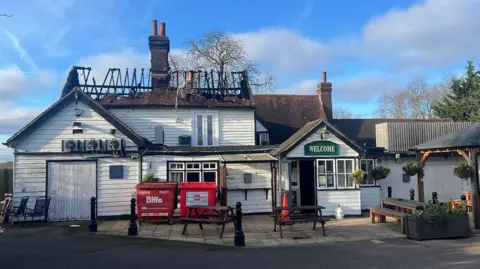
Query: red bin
x=156, y=201
x=196, y=193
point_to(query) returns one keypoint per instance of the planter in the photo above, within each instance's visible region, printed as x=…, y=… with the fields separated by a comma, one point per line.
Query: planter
x=406, y=178
x=454, y=227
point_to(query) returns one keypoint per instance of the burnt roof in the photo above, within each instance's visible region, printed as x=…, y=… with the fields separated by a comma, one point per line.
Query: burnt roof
x=285, y=114
x=169, y=97
x=362, y=131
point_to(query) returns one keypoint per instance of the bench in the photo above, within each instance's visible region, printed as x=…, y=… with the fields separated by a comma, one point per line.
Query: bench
x=297, y=215
x=381, y=213
x=219, y=215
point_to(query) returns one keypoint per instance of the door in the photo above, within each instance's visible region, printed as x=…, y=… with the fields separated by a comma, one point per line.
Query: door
x=307, y=182
x=71, y=185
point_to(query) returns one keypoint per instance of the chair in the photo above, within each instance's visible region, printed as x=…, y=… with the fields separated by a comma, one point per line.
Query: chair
x=16, y=212
x=40, y=209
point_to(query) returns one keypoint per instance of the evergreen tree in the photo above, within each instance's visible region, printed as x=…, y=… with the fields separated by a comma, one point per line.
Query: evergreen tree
x=462, y=102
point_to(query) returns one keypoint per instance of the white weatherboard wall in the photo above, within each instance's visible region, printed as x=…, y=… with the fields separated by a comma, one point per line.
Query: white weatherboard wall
x=370, y=197
x=438, y=177
x=114, y=194
x=349, y=200
x=257, y=200
x=236, y=126
x=48, y=137
x=345, y=150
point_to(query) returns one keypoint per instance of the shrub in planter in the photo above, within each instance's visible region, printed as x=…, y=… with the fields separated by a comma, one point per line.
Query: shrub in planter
x=150, y=178
x=359, y=176
x=410, y=169
x=463, y=170
x=436, y=221
x=380, y=172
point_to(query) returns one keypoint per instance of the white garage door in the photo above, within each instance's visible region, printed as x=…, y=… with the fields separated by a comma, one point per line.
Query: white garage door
x=71, y=185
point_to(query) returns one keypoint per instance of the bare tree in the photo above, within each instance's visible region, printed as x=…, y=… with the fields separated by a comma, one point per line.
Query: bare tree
x=221, y=52
x=342, y=113
x=414, y=101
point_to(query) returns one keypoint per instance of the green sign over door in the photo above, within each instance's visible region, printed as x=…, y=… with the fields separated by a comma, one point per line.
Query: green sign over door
x=322, y=148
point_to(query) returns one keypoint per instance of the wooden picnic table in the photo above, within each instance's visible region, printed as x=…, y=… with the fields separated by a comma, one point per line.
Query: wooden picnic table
x=298, y=214
x=403, y=205
x=219, y=215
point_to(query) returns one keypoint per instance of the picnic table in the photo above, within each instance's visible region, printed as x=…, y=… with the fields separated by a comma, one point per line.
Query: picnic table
x=403, y=205
x=219, y=215
x=298, y=214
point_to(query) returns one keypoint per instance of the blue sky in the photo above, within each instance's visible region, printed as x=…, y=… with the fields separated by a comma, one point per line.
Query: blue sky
x=368, y=47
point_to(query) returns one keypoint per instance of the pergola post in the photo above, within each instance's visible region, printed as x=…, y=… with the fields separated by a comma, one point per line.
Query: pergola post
x=475, y=188
x=421, y=159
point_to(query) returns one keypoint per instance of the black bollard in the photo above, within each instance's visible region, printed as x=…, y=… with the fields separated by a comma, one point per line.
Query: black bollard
x=132, y=226
x=389, y=191
x=92, y=226
x=412, y=194
x=239, y=236
x=463, y=198
x=434, y=197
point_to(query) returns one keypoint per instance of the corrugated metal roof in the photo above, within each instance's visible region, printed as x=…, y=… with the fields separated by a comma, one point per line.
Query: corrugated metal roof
x=402, y=136
x=468, y=137
x=248, y=158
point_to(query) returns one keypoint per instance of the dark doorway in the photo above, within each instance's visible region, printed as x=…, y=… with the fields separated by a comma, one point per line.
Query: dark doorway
x=307, y=182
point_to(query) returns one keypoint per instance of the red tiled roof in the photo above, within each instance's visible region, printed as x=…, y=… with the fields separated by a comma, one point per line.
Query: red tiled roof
x=285, y=114
x=169, y=98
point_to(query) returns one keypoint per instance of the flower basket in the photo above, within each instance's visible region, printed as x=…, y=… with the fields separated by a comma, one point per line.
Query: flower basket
x=359, y=176
x=380, y=173
x=463, y=170
x=411, y=170
x=150, y=178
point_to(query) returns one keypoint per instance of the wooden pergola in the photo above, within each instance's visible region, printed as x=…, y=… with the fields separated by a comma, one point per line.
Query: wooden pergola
x=466, y=143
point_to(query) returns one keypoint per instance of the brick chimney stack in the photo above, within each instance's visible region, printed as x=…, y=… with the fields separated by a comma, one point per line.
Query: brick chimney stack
x=324, y=91
x=159, y=45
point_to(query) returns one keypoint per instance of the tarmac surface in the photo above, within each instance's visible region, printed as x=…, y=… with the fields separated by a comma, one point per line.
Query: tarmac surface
x=61, y=247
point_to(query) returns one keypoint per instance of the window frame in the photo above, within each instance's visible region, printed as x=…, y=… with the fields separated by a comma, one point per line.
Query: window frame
x=177, y=171
x=204, y=131
x=373, y=167
x=259, y=136
x=201, y=170
x=345, y=173
x=326, y=174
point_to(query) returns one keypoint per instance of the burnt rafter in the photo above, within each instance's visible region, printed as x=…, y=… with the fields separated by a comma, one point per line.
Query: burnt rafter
x=133, y=82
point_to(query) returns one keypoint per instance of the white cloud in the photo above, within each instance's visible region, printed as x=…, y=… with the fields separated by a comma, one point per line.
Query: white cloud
x=433, y=32
x=284, y=51
x=308, y=86
x=6, y=154
x=14, y=82
x=13, y=117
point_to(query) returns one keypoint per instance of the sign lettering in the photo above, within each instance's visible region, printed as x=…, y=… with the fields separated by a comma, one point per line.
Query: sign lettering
x=322, y=148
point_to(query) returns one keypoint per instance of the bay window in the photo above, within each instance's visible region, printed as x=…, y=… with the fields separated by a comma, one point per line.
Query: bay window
x=204, y=129
x=335, y=173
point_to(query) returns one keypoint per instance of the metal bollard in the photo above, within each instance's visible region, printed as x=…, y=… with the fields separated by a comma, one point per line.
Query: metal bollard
x=434, y=197
x=389, y=191
x=92, y=226
x=132, y=226
x=239, y=235
x=412, y=194
x=463, y=198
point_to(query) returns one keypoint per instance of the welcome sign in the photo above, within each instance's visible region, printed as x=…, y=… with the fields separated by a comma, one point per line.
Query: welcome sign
x=322, y=148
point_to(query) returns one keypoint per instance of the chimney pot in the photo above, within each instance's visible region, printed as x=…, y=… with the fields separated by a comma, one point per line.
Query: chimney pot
x=162, y=29
x=154, y=28
x=324, y=76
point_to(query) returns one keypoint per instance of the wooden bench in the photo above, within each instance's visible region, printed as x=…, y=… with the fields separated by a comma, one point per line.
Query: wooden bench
x=381, y=213
x=296, y=215
x=201, y=221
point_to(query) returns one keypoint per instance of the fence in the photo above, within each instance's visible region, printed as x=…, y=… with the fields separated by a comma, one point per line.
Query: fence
x=6, y=182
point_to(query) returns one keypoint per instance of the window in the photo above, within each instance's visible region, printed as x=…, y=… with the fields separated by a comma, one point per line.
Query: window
x=326, y=174
x=263, y=138
x=192, y=172
x=335, y=174
x=344, y=174
x=204, y=129
x=367, y=166
x=116, y=171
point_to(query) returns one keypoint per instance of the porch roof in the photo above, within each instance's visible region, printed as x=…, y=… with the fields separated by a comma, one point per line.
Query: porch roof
x=468, y=137
x=247, y=158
